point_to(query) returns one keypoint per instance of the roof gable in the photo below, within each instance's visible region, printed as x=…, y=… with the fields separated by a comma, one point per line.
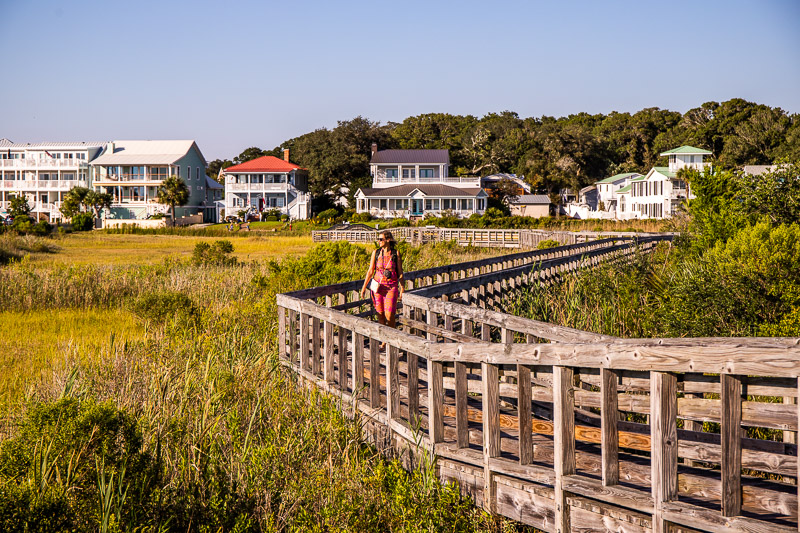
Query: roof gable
x=265, y=163
x=686, y=149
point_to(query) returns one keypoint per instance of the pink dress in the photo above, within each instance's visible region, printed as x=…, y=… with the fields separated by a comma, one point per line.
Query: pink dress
x=385, y=298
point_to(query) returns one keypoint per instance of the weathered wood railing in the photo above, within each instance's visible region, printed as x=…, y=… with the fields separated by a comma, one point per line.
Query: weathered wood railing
x=502, y=238
x=558, y=428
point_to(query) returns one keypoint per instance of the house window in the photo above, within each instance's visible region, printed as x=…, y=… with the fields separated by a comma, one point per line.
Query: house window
x=362, y=204
x=391, y=174
x=481, y=205
x=197, y=173
x=384, y=203
x=466, y=205
x=410, y=173
x=426, y=173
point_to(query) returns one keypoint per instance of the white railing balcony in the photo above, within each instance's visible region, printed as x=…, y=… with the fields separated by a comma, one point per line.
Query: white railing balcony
x=48, y=185
x=468, y=181
x=676, y=166
x=29, y=164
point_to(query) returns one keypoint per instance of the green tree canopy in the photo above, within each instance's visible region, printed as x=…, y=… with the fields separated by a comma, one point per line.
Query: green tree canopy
x=18, y=205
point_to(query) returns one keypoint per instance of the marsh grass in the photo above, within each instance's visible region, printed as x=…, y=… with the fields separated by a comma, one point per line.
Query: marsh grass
x=227, y=439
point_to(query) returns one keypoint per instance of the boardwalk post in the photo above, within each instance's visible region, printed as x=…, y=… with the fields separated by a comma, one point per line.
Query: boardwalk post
x=730, y=436
x=609, y=413
x=663, y=443
x=491, y=431
x=462, y=421
x=563, y=441
x=292, y=336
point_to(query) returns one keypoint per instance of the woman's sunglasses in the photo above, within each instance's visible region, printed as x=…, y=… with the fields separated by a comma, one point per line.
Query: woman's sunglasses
x=380, y=239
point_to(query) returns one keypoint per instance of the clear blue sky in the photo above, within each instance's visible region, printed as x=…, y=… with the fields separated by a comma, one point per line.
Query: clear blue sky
x=233, y=74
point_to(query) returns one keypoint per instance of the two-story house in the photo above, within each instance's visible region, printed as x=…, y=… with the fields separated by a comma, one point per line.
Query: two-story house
x=267, y=183
x=133, y=171
x=414, y=183
x=44, y=173
x=659, y=193
x=607, y=188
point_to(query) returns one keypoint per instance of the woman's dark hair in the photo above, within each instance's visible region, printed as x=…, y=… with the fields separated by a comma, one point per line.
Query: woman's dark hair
x=392, y=246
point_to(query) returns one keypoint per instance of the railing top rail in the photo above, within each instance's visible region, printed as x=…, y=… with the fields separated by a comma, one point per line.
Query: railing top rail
x=743, y=356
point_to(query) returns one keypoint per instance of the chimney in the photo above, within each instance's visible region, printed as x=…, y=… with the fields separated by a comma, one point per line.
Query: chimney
x=374, y=148
x=286, y=154
x=111, y=148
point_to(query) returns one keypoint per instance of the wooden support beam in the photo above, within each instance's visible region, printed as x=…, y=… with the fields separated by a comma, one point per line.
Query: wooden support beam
x=664, y=444
x=609, y=417
x=292, y=336
x=563, y=441
x=462, y=420
x=731, y=439
x=374, y=373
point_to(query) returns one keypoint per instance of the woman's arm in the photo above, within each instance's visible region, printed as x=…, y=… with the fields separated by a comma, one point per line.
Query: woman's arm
x=370, y=273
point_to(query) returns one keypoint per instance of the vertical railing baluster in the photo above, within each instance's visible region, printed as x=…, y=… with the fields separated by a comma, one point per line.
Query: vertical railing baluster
x=358, y=364
x=435, y=401
x=392, y=382
x=293, y=336
x=490, y=404
x=315, y=346
x=282, y=332
x=413, y=387
x=343, y=358
x=462, y=393
x=731, y=439
x=374, y=373
x=524, y=414
x=609, y=415
x=327, y=368
x=304, y=342
x=563, y=441
x=663, y=443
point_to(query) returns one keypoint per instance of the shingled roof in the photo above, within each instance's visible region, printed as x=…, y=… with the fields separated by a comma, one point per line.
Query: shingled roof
x=428, y=190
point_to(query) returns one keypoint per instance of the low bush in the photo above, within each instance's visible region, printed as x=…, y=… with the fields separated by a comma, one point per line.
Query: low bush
x=548, y=243
x=361, y=217
x=163, y=305
x=218, y=253
x=83, y=222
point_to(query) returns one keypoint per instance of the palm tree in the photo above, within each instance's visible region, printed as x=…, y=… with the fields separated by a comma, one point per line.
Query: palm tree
x=173, y=191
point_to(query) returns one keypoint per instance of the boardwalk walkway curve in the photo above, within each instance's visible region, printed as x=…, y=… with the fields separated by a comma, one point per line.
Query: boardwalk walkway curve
x=561, y=429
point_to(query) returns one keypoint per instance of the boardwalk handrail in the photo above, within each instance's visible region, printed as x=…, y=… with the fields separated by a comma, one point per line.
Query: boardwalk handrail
x=559, y=428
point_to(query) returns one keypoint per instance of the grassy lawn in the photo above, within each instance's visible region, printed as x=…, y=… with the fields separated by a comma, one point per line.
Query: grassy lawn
x=113, y=249
x=35, y=343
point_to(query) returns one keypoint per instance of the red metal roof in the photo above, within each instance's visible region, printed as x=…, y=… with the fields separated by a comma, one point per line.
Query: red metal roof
x=265, y=163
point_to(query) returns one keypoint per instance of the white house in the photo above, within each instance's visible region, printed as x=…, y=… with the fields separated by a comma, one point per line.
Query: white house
x=660, y=193
x=44, y=173
x=132, y=172
x=414, y=183
x=607, y=190
x=267, y=183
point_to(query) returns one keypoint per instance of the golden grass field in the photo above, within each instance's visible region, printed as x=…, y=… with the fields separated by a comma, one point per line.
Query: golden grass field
x=112, y=249
x=35, y=343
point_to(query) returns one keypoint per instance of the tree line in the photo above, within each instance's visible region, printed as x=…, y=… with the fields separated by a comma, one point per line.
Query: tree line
x=552, y=153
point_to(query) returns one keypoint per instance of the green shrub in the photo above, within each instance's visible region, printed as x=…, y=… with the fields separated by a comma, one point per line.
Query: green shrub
x=548, y=243
x=83, y=222
x=361, y=217
x=162, y=305
x=328, y=214
x=217, y=253
x=398, y=223
x=284, y=218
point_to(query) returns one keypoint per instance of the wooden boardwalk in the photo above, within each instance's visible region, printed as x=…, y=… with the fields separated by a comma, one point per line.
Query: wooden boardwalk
x=492, y=238
x=561, y=429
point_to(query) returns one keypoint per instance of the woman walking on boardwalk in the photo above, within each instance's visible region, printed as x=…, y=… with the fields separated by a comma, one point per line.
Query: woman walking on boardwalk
x=385, y=279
